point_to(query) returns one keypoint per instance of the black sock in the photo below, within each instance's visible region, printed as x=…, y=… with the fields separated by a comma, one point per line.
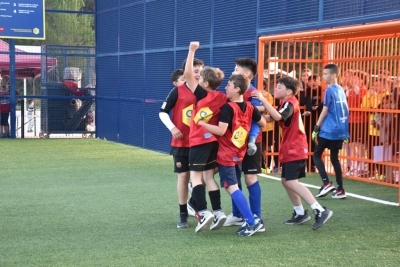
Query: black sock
x=183, y=208
x=199, y=196
x=193, y=204
x=215, y=197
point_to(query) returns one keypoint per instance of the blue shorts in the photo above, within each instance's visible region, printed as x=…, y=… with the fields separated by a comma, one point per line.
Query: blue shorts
x=229, y=175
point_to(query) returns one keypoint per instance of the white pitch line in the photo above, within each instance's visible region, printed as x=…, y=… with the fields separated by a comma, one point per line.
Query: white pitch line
x=347, y=193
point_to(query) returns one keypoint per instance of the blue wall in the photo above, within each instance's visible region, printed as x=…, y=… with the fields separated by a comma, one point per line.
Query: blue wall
x=139, y=44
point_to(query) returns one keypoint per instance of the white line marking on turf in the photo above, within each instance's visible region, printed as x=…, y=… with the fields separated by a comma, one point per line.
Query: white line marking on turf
x=347, y=193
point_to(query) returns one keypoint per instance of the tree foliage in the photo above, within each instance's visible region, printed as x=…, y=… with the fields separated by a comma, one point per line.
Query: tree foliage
x=72, y=29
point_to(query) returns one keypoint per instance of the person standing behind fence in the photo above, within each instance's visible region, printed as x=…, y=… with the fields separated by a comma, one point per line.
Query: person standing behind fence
x=371, y=100
x=31, y=111
x=332, y=129
x=383, y=121
x=267, y=133
x=314, y=104
x=5, y=106
x=357, y=123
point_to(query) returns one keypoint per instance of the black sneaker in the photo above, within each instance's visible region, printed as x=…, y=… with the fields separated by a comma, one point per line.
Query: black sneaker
x=325, y=189
x=341, y=194
x=298, y=219
x=321, y=217
x=183, y=220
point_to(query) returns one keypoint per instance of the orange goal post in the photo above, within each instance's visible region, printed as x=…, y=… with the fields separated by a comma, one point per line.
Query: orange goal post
x=369, y=59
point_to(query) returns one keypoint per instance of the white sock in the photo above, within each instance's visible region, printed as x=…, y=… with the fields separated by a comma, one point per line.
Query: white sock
x=317, y=206
x=299, y=210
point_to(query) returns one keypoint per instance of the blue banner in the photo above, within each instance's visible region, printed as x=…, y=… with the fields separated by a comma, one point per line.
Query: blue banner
x=22, y=19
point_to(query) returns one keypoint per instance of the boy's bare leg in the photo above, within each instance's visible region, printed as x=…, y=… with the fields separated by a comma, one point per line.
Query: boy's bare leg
x=209, y=180
x=182, y=188
x=301, y=191
x=294, y=197
x=250, y=179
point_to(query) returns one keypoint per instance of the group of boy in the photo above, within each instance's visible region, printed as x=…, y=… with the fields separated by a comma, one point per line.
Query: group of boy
x=212, y=131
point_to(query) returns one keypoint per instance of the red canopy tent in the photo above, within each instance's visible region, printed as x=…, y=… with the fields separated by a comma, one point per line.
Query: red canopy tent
x=27, y=66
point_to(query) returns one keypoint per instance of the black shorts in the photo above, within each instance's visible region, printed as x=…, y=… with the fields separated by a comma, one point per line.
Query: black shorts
x=332, y=145
x=358, y=132
x=4, y=118
x=179, y=151
x=203, y=157
x=181, y=159
x=181, y=164
x=252, y=164
x=294, y=170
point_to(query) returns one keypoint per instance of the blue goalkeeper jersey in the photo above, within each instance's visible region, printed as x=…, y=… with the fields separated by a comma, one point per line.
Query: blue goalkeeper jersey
x=336, y=123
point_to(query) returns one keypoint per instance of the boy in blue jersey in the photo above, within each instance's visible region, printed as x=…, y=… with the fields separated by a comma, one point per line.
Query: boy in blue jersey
x=332, y=129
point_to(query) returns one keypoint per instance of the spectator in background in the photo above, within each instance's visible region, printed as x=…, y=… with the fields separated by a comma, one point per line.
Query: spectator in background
x=383, y=121
x=358, y=123
x=5, y=106
x=314, y=104
x=267, y=133
x=31, y=111
x=304, y=78
x=347, y=80
x=371, y=100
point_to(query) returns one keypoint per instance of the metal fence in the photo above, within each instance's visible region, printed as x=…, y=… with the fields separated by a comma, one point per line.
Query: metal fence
x=369, y=59
x=139, y=44
x=55, y=79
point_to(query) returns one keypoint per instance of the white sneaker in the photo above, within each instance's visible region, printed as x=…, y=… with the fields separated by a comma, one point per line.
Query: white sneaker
x=190, y=209
x=205, y=218
x=233, y=220
x=219, y=220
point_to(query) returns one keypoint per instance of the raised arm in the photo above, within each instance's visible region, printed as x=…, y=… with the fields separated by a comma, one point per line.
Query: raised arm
x=190, y=78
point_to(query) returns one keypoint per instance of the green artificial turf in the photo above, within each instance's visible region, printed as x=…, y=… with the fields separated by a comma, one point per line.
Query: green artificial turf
x=88, y=202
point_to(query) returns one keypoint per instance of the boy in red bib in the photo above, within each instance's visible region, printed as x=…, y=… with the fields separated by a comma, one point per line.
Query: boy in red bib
x=204, y=144
x=293, y=152
x=233, y=129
